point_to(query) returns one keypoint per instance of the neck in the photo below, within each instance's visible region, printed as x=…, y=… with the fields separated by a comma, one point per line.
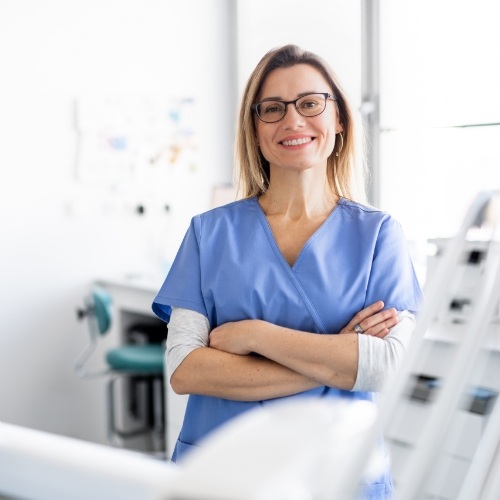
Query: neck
x=298, y=198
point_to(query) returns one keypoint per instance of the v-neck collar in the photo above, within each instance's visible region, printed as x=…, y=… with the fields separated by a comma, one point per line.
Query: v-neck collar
x=307, y=244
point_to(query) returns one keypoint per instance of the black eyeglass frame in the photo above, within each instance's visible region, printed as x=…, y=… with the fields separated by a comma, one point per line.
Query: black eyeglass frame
x=326, y=95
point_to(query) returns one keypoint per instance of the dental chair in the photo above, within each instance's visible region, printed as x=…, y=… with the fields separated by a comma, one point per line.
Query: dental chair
x=139, y=364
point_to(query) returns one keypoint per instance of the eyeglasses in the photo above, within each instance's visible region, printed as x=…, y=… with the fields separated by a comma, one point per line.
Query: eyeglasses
x=271, y=110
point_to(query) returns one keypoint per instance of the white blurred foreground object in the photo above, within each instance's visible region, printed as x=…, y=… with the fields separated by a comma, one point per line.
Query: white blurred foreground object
x=284, y=451
x=37, y=465
x=289, y=451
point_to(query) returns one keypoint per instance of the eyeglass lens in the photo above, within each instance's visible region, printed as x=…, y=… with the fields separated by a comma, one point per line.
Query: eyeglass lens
x=308, y=105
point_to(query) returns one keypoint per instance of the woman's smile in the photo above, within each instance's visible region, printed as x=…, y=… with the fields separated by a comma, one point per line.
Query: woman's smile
x=297, y=141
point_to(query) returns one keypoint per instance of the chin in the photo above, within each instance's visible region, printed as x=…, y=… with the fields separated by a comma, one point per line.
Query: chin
x=303, y=166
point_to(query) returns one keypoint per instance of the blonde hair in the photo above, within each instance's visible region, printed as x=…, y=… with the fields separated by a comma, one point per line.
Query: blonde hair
x=253, y=169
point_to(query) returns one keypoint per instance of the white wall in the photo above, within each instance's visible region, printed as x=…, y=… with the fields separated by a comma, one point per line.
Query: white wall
x=57, y=234
x=440, y=111
x=330, y=28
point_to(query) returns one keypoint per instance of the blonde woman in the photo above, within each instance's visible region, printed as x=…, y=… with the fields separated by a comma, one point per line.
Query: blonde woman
x=297, y=289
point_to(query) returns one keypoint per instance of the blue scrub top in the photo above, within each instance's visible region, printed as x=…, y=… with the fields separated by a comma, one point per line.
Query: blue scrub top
x=230, y=268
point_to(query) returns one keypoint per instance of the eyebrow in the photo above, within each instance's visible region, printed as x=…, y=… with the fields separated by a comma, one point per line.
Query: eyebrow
x=278, y=98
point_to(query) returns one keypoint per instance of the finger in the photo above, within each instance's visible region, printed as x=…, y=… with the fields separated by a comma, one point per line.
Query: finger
x=381, y=334
x=364, y=314
x=383, y=328
x=378, y=319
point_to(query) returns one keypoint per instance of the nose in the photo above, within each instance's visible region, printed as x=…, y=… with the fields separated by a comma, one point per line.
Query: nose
x=292, y=117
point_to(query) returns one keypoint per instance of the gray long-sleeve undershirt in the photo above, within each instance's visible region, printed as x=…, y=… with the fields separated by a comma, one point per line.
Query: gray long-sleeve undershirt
x=378, y=358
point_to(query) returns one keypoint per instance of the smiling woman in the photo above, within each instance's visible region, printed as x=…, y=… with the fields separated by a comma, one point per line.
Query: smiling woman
x=301, y=136
x=300, y=273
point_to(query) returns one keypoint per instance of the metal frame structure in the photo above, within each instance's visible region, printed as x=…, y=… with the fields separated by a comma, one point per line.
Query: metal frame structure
x=370, y=92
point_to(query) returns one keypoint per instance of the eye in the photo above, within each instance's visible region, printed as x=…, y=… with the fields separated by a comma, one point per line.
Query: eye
x=309, y=103
x=271, y=108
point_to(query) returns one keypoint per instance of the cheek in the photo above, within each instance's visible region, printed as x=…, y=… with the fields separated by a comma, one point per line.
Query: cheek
x=261, y=134
x=265, y=151
x=331, y=143
x=330, y=137
x=264, y=142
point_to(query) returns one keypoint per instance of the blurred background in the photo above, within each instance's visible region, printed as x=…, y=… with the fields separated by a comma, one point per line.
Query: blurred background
x=117, y=125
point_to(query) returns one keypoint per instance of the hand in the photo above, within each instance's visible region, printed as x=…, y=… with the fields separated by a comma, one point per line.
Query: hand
x=373, y=320
x=234, y=337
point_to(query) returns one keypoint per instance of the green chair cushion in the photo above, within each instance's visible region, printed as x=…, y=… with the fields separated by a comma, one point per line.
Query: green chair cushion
x=101, y=300
x=143, y=358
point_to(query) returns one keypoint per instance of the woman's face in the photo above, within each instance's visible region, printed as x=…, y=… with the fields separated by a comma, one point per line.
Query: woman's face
x=297, y=142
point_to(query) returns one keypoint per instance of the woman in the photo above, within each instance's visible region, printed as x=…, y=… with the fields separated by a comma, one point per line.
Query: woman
x=256, y=279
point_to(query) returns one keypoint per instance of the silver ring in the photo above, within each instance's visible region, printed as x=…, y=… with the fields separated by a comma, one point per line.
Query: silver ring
x=358, y=329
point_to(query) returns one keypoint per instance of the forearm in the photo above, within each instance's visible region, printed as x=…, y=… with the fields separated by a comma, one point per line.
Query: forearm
x=346, y=361
x=220, y=374
x=193, y=368
x=330, y=360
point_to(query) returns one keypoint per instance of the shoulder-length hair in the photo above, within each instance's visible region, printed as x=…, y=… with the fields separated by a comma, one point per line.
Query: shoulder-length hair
x=253, y=171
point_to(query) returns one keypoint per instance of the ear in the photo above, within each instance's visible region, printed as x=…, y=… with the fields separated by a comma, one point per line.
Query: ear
x=338, y=126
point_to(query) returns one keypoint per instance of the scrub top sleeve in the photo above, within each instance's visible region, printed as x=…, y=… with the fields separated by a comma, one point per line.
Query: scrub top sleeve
x=182, y=286
x=392, y=277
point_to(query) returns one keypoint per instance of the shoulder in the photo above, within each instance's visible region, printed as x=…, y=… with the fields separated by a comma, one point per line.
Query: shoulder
x=368, y=223
x=230, y=209
x=231, y=214
x=364, y=214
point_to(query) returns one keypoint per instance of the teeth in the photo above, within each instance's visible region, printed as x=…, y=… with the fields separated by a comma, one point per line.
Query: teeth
x=296, y=142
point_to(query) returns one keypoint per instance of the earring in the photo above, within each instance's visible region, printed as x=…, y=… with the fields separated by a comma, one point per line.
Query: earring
x=341, y=145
